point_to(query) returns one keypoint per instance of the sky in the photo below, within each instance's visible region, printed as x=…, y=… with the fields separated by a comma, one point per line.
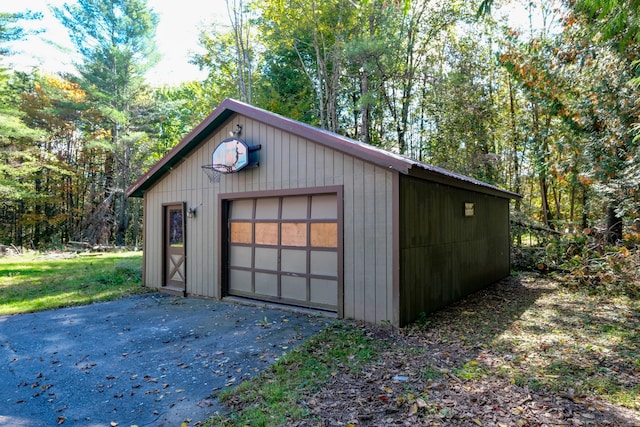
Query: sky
x=176, y=37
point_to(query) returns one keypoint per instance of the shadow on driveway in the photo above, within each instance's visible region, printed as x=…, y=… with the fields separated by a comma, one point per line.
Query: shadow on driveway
x=146, y=360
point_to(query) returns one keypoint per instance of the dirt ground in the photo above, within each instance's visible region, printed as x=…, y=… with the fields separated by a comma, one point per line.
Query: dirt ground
x=457, y=367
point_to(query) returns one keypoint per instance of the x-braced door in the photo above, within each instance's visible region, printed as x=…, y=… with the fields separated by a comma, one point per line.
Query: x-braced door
x=174, y=247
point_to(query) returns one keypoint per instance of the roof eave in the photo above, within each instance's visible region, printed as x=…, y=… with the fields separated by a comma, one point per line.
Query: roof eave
x=445, y=177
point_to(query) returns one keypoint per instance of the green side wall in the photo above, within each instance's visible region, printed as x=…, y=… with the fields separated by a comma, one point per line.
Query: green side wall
x=444, y=255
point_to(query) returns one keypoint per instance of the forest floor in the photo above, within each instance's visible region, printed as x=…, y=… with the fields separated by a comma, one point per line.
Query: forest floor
x=527, y=351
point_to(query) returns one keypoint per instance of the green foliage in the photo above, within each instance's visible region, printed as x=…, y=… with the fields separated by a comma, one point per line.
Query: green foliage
x=472, y=370
x=113, y=37
x=220, y=60
x=284, y=88
x=610, y=271
x=177, y=111
x=612, y=20
x=10, y=30
x=116, y=40
x=549, y=114
x=308, y=43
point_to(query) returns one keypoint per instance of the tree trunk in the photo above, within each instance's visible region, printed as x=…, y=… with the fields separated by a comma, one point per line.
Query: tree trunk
x=123, y=220
x=515, y=163
x=137, y=208
x=364, y=90
x=614, y=226
x=407, y=89
x=37, y=228
x=243, y=58
x=544, y=201
x=18, y=222
x=557, y=200
x=585, y=213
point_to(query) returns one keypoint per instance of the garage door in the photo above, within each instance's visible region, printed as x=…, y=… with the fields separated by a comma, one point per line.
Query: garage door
x=285, y=250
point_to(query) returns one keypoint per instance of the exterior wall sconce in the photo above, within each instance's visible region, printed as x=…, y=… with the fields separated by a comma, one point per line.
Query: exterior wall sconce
x=469, y=209
x=191, y=212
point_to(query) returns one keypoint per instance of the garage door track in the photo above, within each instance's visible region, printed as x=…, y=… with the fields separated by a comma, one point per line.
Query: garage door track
x=148, y=360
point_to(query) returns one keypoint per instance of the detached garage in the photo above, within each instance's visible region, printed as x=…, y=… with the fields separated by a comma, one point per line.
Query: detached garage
x=256, y=206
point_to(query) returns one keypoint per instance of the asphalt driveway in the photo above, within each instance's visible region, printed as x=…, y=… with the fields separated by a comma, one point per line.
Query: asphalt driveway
x=148, y=360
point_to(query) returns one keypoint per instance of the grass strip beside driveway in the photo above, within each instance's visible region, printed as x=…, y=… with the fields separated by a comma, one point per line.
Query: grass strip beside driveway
x=277, y=396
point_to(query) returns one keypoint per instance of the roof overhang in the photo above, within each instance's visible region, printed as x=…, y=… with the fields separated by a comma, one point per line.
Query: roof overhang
x=446, y=177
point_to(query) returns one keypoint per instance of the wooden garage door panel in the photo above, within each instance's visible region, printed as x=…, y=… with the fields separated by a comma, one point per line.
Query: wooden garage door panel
x=266, y=233
x=267, y=208
x=240, y=256
x=324, y=234
x=241, y=232
x=294, y=234
x=323, y=263
x=266, y=284
x=285, y=249
x=266, y=259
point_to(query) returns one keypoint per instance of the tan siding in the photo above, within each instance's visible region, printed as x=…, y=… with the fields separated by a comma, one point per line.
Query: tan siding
x=278, y=165
x=285, y=156
x=310, y=167
x=267, y=155
x=153, y=241
x=302, y=163
x=349, y=249
x=369, y=244
x=360, y=234
x=286, y=162
x=382, y=245
x=273, y=162
x=329, y=177
x=319, y=167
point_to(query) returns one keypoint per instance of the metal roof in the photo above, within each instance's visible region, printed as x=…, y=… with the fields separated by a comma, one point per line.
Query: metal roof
x=366, y=152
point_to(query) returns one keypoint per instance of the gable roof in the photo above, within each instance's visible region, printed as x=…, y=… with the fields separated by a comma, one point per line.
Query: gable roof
x=366, y=152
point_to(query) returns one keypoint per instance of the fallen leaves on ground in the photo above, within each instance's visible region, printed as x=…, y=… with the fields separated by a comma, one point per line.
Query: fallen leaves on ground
x=525, y=352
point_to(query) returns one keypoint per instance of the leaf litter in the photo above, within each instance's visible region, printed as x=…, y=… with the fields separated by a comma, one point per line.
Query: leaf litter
x=524, y=352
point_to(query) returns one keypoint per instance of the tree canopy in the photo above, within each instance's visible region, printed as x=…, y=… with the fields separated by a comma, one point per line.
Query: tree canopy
x=548, y=111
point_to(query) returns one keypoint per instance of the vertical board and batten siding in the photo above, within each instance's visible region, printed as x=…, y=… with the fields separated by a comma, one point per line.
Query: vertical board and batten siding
x=444, y=255
x=184, y=183
x=287, y=161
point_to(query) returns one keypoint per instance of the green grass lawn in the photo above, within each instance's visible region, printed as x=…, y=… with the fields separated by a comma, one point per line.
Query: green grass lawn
x=35, y=282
